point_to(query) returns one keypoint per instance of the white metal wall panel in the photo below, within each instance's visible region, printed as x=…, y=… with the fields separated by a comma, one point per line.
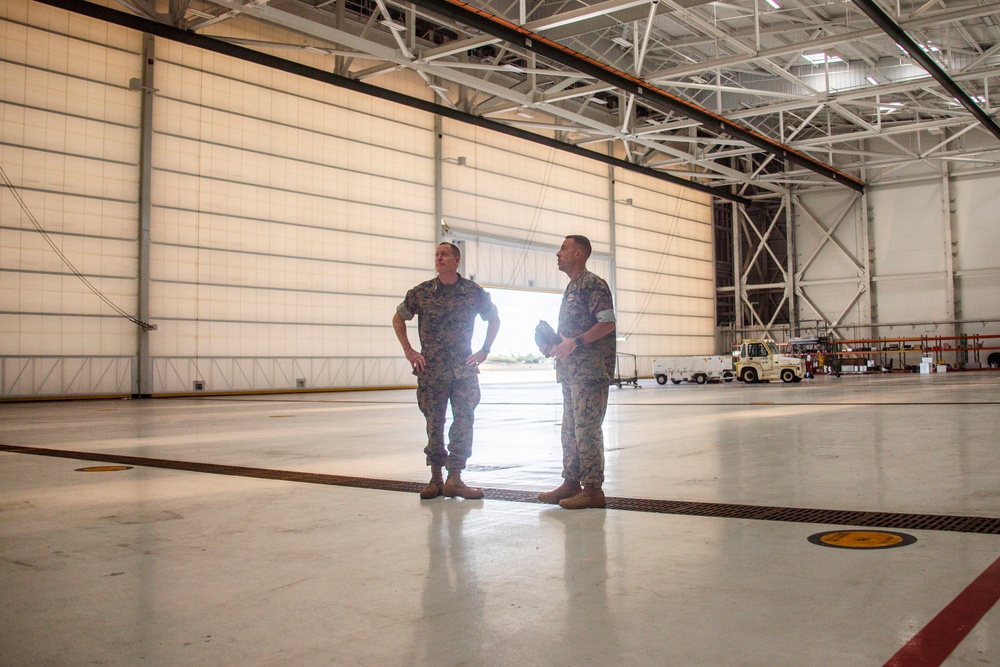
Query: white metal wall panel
x=288, y=223
x=908, y=239
x=829, y=258
x=820, y=254
x=908, y=256
x=504, y=187
x=665, y=275
x=69, y=143
x=977, y=248
x=908, y=233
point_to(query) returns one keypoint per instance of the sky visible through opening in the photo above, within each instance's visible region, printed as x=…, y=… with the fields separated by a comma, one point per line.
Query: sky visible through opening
x=519, y=312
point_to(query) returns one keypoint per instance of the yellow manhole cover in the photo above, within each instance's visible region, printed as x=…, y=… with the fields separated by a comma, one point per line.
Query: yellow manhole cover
x=103, y=468
x=862, y=539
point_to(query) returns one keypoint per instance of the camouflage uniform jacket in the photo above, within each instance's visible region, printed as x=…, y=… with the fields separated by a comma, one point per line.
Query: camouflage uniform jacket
x=587, y=301
x=447, y=315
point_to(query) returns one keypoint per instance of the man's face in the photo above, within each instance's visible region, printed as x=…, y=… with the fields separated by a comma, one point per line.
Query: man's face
x=568, y=255
x=445, y=260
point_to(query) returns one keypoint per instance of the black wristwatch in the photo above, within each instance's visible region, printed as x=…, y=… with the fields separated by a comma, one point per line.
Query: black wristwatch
x=579, y=341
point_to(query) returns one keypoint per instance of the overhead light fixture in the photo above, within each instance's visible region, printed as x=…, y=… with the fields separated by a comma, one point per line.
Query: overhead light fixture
x=524, y=112
x=622, y=42
x=440, y=89
x=200, y=14
x=698, y=79
x=597, y=100
x=820, y=58
x=512, y=68
x=872, y=80
x=890, y=107
x=773, y=4
x=978, y=99
x=314, y=49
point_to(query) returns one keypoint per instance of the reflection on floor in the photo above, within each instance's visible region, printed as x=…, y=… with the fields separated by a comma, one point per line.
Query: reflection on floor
x=162, y=565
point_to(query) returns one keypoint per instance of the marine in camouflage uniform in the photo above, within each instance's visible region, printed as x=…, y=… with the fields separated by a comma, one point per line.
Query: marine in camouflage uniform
x=585, y=364
x=585, y=376
x=446, y=368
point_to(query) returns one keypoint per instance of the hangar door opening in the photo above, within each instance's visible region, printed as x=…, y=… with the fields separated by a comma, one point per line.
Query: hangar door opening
x=526, y=287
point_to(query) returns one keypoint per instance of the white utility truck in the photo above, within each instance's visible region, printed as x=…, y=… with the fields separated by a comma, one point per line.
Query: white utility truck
x=760, y=361
x=701, y=369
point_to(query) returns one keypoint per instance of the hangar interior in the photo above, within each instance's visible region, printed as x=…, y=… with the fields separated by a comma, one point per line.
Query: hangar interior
x=227, y=196
x=221, y=203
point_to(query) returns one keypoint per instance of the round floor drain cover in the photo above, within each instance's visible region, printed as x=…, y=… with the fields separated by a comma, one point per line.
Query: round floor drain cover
x=862, y=539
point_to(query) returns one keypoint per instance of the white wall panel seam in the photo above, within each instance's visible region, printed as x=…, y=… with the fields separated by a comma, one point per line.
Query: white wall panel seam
x=272, y=288
x=311, y=100
x=68, y=356
x=78, y=195
x=628, y=267
x=509, y=200
x=64, y=75
x=70, y=37
x=59, y=233
x=515, y=175
x=285, y=158
x=305, y=258
x=205, y=357
x=79, y=156
x=66, y=114
x=89, y=316
x=274, y=323
x=39, y=272
x=685, y=295
x=668, y=220
x=280, y=189
x=285, y=223
x=639, y=249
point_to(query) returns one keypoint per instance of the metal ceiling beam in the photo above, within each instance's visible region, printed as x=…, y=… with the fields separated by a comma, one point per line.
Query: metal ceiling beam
x=235, y=51
x=916, y=51
x=648, y=93
x=821, y=43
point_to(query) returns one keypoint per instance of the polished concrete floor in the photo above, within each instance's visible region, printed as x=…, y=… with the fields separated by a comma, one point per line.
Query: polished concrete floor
x=157, y=566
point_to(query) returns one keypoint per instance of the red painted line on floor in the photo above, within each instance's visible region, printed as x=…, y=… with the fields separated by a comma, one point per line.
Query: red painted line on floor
x=935, y=642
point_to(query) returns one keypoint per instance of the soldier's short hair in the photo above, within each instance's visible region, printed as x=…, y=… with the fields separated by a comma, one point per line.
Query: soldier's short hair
x=583, y=242
x=454, y=249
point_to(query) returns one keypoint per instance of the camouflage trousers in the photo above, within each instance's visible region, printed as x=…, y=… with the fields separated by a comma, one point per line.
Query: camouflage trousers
x=584, y=406
x=432, y=398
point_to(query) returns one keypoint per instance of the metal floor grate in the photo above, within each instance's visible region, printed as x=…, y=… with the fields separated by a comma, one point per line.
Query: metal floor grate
x=961, y=524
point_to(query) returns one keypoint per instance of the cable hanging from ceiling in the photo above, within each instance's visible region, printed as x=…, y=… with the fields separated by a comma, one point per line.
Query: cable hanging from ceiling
x=65, y=260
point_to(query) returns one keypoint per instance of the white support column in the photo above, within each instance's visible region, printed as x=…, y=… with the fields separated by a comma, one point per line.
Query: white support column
x=864, y=223
x=144, y=367
x=953, y=308
x=793, y=320
x=438, y=177
x=613, y=271
x=738, y=292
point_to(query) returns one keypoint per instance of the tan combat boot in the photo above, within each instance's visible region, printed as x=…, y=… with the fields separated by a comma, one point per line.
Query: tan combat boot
x=455, y=487
x=590, y=496
x=435, y=487
x=567, y=489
